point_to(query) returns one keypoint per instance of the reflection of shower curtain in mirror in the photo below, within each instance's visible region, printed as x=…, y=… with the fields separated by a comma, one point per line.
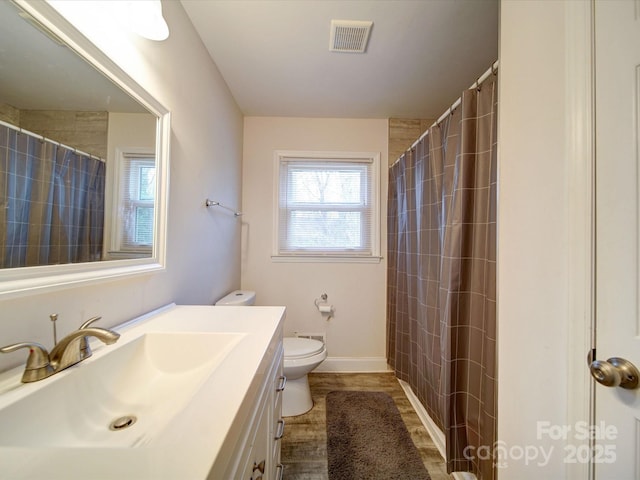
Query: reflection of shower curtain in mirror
x=51, y=203
x=441, y=310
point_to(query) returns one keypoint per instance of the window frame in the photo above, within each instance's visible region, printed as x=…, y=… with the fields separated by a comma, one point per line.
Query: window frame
x=118, y=248
x=344, y=256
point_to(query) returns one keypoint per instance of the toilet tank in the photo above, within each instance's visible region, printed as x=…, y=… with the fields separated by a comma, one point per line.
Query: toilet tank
x=238, y=298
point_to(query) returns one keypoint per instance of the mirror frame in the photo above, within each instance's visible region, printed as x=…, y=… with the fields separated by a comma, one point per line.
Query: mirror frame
x=21, y=281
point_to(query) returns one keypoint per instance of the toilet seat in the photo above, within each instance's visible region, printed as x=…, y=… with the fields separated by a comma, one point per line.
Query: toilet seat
x=297, y=348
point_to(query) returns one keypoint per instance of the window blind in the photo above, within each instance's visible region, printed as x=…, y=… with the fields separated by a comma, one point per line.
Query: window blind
x=326, y=207
x=138, y=181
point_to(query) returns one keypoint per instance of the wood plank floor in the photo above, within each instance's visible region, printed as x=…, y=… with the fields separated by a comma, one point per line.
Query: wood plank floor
x=304, y=445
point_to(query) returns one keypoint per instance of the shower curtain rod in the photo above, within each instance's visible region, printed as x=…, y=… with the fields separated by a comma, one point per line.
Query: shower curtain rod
x=455, y=104
x=45, y=139
x=481, y=78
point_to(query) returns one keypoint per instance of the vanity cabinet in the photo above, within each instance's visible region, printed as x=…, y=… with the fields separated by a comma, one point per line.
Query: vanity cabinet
x=257, y=463
x=204, y=383
x=277, y=422
x=256, y=455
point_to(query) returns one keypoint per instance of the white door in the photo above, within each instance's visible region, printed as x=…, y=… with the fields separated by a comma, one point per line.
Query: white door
x=617, y=427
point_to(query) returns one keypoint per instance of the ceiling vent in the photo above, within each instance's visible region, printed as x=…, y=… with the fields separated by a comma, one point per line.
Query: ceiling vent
x=350, y=36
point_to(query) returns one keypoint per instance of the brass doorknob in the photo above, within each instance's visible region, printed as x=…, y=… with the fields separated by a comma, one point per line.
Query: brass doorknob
x=615, y=372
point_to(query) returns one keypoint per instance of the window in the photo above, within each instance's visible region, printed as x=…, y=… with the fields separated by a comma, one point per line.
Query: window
x=136, y=195
x=328, y=206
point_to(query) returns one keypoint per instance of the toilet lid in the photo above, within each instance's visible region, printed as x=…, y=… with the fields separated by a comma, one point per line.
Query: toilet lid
x=301, y=347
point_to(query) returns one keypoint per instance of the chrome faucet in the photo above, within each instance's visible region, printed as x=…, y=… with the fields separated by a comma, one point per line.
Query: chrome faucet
x=75, y=347
x=70, y=350
x=38, y=364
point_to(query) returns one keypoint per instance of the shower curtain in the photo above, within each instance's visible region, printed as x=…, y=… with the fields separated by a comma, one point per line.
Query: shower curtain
x=441, y=294
x=51, y=202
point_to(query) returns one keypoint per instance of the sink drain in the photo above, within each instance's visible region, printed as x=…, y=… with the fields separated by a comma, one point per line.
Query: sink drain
x=122, y=422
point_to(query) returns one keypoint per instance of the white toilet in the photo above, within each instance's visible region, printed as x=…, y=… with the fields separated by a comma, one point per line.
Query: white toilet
x=301, y=355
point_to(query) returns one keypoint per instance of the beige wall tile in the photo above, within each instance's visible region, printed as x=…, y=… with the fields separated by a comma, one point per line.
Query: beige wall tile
x=403, y=132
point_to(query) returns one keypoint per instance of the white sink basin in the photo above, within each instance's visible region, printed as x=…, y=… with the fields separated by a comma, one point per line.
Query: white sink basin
x=189, y=375
x=151, y=378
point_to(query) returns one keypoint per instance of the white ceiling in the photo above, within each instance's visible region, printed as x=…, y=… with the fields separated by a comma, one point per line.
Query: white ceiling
x=274, y=54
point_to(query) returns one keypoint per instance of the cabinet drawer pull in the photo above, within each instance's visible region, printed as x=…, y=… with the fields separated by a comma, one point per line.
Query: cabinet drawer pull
x=280, y=432
x=282, y=383
x=280, y=469
x=259, y=466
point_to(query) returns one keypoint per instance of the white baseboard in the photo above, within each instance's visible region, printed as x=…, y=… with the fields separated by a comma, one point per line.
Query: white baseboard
x=464, y=476
x=353, y=365
x=433, y=430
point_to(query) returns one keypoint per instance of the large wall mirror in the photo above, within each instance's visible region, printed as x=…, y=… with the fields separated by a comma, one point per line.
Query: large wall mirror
x=83, y=159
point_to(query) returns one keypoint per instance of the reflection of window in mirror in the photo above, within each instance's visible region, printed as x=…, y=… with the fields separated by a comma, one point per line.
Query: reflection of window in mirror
x=135, y=196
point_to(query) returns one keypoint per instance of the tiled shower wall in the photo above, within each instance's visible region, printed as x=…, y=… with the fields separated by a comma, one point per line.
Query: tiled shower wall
x=9, y=114
x=403, y=132
x=86, y=131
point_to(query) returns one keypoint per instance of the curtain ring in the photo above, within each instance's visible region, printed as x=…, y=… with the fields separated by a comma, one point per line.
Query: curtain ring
x=494, y=68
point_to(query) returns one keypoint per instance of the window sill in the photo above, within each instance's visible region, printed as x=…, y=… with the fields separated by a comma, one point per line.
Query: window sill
x=323, y=259
x=122, y=254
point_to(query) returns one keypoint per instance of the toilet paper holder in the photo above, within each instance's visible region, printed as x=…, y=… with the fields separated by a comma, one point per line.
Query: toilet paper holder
x=323, y=306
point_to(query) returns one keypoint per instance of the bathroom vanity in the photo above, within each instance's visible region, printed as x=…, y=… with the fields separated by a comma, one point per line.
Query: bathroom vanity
x=187, y=392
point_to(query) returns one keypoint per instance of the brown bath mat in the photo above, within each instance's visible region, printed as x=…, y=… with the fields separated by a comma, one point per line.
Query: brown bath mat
x=367, y=439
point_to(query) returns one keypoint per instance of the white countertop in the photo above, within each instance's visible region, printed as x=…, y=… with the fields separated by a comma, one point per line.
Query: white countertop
x=187, y=447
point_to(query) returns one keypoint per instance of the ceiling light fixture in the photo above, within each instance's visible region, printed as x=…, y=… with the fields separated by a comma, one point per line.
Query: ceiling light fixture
x=144, y=17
